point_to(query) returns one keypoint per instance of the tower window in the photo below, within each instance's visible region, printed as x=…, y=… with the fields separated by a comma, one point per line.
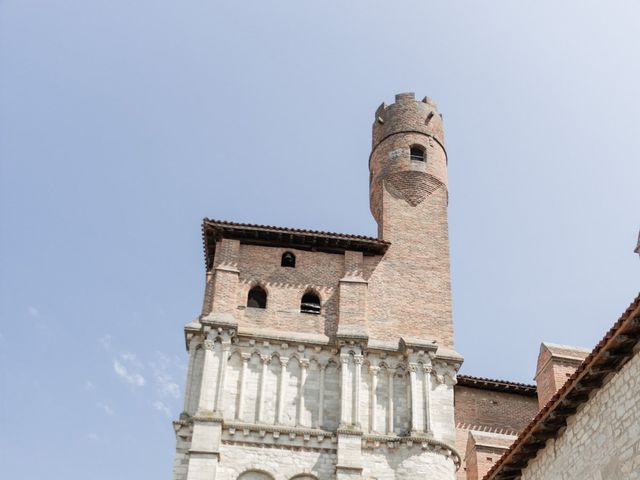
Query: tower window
x=288, y=260
x=310, y=303
x=417, y=153
x=257, y=298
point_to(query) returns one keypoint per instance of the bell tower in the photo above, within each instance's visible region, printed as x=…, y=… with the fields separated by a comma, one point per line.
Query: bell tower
x=408, y=199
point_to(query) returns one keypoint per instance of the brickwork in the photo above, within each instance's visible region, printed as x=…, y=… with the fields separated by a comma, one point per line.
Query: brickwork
x=410, y=288
x=602, y=440
x=483, y=450
x=481, y=411
x=556, y=363
x=317, y=271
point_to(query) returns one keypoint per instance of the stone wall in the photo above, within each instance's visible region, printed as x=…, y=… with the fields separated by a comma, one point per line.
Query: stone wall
x=602, y=440
x=285, y=397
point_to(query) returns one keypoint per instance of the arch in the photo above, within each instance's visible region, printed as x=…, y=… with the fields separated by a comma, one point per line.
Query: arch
x=257, y=297
x=288, y=260
x=255, y=475
x=304, y=476
x=310, y=303
x=418, y=153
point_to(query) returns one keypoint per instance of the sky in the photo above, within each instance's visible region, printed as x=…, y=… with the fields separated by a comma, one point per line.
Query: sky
x=124, y=123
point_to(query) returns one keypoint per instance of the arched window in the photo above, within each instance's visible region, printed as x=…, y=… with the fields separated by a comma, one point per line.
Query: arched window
x=310, y=303
x=288, y=260
x=257, y=298
x=418, y=153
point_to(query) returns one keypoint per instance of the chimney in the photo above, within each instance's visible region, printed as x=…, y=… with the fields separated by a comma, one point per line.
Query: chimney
x=556, y=363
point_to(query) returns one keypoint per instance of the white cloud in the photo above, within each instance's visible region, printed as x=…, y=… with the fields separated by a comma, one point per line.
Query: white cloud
x=33, y=311
x=92, y=436
x=166, y=386
x=128, y=372
x=164, y=381
x=106, y=408
x=162, y=407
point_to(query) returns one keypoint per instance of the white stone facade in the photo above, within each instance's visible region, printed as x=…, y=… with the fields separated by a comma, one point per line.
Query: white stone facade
x=602, y=440
x=285, y=408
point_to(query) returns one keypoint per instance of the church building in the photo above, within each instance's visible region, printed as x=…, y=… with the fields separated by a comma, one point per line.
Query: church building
x=321, y=355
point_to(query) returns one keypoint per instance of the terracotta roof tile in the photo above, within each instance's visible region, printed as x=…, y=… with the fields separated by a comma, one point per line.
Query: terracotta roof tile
x=213, y=230
x=607, y=357
x=497, y=385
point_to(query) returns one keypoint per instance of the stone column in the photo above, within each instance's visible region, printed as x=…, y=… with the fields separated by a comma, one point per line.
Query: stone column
x=281, y=389
x=357, y=360
x=188, y=393
x=390, y=374
x=427, y=392
x=207, y=428
x=345, y=395
x=243, y=375
x=304, y=365
x=206, y=402
x=413, y=392
x=321, y=395
x=374, y=399
x=222, y=372
x=263, y=381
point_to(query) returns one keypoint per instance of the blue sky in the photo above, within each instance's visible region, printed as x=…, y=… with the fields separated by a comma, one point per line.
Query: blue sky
x=122, y=124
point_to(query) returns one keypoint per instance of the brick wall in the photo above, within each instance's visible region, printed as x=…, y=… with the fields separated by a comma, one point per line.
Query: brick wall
x=481, y=410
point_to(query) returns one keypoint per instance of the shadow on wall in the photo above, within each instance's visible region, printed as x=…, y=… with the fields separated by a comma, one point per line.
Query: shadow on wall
x=260, y=475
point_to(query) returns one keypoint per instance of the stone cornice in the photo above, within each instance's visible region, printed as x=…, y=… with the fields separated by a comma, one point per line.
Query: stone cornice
x=425, y=441
x=261, y=427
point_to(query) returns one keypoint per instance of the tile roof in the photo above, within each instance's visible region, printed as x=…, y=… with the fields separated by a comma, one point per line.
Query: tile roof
x=611, y=353
x=213, y=230
x=497, y=385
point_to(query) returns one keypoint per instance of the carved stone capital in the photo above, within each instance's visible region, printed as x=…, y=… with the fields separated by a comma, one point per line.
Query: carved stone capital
x=209, y=344
x=358, y=359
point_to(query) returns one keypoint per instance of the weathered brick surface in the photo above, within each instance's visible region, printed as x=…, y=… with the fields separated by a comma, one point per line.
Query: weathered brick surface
x=410, y=287
x=482, y=410
x=556, y=363
x=317, y=271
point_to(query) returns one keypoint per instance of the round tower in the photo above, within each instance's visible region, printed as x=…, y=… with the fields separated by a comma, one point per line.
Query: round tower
x=408, y=158
x=410, y=291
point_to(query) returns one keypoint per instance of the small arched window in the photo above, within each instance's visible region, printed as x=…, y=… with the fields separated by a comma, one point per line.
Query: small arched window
x=288, y=260
x=417, y=153
x=310, y=303
x=257, y=298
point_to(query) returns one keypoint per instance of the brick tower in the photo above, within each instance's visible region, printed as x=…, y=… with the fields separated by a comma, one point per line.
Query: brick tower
x=411, y=290
x=330, y=356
